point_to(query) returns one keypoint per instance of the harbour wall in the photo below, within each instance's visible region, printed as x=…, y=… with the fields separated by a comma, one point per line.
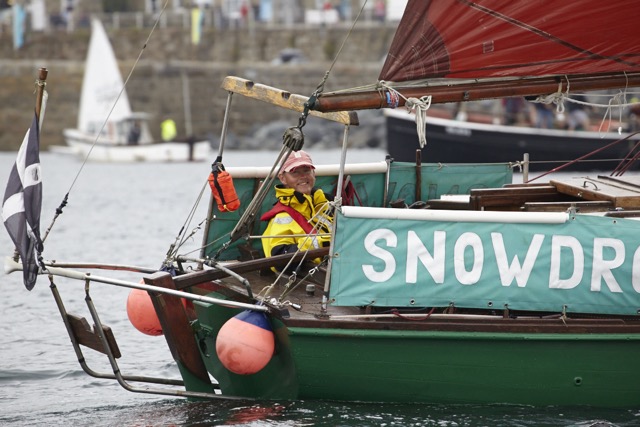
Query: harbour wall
x=171, y=77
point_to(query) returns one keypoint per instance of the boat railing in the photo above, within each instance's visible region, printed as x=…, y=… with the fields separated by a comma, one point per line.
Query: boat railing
x=11, y=266
x=160, y=286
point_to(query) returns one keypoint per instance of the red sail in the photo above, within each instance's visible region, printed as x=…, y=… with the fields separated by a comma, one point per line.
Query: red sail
x=498, y=38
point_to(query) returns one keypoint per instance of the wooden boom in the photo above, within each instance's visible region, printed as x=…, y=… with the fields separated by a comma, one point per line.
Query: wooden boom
x=475, y=90
x=283, y=99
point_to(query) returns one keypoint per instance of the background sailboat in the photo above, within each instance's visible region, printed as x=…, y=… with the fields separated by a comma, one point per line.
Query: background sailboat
x=125, y=136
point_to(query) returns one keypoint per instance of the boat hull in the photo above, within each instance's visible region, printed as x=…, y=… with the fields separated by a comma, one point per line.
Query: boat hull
x=433, y=362
x=452, y=141
x=83, y=146
x=466, y=367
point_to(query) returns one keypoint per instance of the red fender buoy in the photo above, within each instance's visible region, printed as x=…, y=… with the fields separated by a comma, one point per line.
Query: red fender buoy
x=245, y=343
x=141, y=313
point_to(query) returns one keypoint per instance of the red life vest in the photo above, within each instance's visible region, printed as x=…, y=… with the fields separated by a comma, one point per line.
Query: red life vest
x=297, y=216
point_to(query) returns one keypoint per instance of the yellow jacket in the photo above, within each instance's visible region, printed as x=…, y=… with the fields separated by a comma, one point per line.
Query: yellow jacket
x=283, y=227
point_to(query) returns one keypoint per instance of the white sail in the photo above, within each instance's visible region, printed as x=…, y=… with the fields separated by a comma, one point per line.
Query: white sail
x=101, y=86
x=107, y=129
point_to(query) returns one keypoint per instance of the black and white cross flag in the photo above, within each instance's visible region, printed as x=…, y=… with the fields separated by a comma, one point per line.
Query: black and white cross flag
x=23, y=203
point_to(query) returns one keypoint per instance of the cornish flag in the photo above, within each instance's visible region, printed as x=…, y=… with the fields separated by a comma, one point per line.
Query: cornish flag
x=23, y=202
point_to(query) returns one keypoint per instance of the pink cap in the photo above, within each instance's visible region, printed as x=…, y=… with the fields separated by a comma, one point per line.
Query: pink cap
x=297, y=159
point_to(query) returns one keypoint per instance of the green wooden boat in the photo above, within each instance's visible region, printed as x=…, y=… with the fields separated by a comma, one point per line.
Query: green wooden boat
x=443, y=283
x=478, y=332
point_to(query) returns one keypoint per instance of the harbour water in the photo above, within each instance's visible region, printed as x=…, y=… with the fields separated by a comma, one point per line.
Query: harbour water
x=131, y=214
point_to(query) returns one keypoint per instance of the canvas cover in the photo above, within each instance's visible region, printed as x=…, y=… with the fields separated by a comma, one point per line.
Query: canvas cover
x=585, y=264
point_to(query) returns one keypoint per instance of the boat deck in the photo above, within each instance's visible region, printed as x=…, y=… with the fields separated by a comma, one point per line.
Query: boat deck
x=609, y=196
x=304, y=308
x=302, y=302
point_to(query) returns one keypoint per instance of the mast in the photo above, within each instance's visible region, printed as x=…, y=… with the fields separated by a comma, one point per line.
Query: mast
x=475, y=90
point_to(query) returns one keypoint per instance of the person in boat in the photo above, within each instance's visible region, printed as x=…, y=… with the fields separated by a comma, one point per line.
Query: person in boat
x=634, y=115
x=300, y=219
x=545, y=116
x=578, y=114
x=134, y=133
x=513, y=110
x=168, y=130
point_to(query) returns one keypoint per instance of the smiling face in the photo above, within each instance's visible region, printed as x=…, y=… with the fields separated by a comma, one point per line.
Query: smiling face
x=301, y=179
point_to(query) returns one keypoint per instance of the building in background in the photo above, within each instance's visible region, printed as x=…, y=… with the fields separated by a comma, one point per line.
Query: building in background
x=69, y=15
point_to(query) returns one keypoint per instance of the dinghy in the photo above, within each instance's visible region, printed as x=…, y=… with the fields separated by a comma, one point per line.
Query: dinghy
x=125, y=135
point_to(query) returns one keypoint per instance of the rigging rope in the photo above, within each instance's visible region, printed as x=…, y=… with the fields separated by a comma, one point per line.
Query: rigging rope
x=182, y=238
x=320, y=88
x=63, y=204
x=421, y=105
x=617, y=100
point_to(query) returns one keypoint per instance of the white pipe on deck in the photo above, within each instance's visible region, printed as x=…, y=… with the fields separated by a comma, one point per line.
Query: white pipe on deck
x=456, y=215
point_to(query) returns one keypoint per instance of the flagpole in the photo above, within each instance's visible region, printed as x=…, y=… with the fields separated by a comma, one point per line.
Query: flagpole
x=40, y=83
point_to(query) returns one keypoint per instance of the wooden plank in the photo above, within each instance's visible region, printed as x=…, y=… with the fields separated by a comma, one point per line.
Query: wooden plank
x=448, y=204
x=621, y=193
x=533, y=189
x=511, y=198
x=624, y=214
x=88, y=337
x=177, y=329
x=283, y=99
x=580, y=206
x=524, y=185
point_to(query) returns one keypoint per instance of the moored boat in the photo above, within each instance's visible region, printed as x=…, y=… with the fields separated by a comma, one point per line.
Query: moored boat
x=108, y=130
x=467, y=141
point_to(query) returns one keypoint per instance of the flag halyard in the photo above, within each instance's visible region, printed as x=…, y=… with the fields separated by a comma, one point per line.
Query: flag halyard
x=22, y=204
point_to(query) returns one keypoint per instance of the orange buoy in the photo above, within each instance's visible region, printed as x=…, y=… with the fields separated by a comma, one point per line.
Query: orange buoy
x=141, y=313
x=245, y=343
x=222, y=188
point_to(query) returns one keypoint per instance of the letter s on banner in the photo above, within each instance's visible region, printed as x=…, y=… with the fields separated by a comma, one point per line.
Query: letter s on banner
x=385, y=256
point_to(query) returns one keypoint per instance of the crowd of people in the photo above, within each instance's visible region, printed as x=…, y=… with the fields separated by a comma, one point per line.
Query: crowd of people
x=520, y=111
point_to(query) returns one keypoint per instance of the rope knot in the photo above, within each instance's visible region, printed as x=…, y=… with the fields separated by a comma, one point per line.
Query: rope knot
x=420, y=106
